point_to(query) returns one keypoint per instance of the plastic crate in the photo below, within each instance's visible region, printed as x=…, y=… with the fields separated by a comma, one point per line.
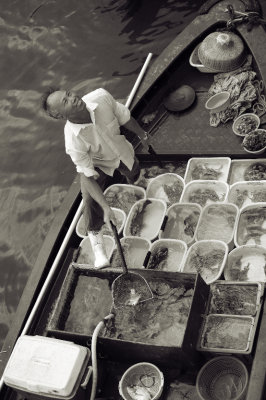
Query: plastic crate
x=120, y=217
x=222, y=289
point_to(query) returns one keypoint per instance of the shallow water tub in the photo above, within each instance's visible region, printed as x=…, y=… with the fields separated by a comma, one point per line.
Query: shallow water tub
x=225, y=333
x=247, y=170
x=145, y=219
x=123, y=196
x=86, y=254
x=166, y=255
x=180, y=222
x=246, y=263
x=245, y=193
x=218, y=222
x=251, y=225
x=120, y=217
x=167, y=187
x=210, y=168
x=206, y=257
x=135, y=250
x=85, y=299
x=204, y=192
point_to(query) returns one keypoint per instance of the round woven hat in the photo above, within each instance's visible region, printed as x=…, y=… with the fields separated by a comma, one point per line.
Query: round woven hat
x=222, y=51
x=180, y=99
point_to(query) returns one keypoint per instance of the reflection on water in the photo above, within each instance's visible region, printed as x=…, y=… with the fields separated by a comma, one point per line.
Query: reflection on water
x=81, y=45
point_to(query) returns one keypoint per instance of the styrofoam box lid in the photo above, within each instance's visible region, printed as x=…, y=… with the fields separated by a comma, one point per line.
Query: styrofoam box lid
x=45, y=365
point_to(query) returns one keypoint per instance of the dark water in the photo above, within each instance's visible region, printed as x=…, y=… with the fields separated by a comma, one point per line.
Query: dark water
x=71, y=44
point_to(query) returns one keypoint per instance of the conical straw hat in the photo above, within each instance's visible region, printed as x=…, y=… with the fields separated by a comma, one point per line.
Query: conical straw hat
x=222, y=51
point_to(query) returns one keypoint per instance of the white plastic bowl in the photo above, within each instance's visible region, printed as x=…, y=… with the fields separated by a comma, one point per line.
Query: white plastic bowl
x=218, y=102
x=262, y=149
x=241, y=119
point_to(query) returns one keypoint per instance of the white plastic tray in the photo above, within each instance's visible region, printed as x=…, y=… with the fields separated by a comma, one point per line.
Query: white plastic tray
x=216, y=286
x=219, y=189
x=239, y=167
x=123, y=196
x=220, y=165
x=86, y=255
x=173, y=261
x=235, y=326
x=247, y=192
x=150, y=220
x=182, y=220
x=120, y=216
x=218, y=221
x=172, y=182
x=246, y=263
x=251, y=225
x=199, y=252
x=135, y=250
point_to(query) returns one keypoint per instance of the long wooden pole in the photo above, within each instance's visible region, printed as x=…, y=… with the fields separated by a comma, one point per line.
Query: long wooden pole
x=139, y=79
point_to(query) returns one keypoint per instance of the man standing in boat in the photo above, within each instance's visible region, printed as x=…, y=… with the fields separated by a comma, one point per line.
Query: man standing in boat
x=97, y=148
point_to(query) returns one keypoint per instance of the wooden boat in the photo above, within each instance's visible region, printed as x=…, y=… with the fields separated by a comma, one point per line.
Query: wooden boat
x=177, y=137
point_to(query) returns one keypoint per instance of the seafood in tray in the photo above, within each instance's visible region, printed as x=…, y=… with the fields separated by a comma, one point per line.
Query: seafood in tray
x=217, y=221
x=211, y=168
x=207, y=258
x=227, y=333
x=247, y=170
x=135, y=250
x=244, y=193
x=167, y=187
x=251, y=226
x=167, y=255
x=182, y=220
x=204, y=192
x=145, y=219
x=234, y=298
x=124, y=196
x=246, y=263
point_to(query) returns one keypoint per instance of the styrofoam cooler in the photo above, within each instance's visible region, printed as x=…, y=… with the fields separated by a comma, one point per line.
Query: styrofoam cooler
x=47, y=368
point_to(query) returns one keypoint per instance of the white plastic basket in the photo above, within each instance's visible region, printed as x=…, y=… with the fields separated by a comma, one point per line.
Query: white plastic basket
x=241, y=170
